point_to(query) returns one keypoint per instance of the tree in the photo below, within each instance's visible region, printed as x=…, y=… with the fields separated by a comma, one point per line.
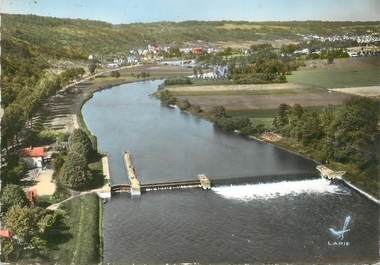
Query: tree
x=281, y=118
x=13, y=195
x=92, y=67
x=78, y=147
x=225, y=123
x=9, y=249
x=353, y=130
x=30, y=225
x=76, y=174
x=310, y=128
x=79, y=136
x=12, y=123
x=14, y=170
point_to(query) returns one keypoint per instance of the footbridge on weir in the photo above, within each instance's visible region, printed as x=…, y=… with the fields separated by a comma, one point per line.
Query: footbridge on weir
x=135, y=188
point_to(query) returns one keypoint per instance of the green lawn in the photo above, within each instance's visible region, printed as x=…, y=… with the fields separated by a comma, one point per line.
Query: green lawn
x=79, y=240
x=337, y=78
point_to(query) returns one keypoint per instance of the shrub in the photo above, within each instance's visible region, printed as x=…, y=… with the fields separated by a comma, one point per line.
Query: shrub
x=13, y=195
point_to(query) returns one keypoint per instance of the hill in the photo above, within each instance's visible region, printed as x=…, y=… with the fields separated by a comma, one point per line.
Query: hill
x=77, y=38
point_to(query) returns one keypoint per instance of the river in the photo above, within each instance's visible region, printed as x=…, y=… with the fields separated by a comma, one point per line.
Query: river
x=284, y=221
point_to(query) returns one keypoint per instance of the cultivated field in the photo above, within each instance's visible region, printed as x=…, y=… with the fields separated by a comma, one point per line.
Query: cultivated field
x=234, y=87
x=256, y=102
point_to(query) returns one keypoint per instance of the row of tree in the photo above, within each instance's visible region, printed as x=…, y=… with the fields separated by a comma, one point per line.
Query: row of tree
x=27, y=101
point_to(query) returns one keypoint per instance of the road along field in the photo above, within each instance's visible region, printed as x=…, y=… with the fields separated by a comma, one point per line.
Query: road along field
x=369, y=91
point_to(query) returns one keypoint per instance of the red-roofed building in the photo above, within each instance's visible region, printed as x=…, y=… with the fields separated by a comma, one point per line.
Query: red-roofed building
x=197, y=50
x=6, y=233
x=35, y=156
x=35, y=152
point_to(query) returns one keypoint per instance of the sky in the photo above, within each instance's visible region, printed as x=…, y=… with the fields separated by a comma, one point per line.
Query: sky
x=129, y=11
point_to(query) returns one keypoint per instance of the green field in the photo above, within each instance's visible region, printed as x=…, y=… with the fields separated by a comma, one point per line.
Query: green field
x=80, y=243
x=267, y=122
x=337, y=78
x=264, y=113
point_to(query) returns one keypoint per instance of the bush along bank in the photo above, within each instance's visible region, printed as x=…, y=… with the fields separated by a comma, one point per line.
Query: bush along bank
x=169, y=100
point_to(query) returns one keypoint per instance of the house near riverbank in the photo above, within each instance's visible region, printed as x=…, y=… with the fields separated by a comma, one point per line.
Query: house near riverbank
x=36, y=156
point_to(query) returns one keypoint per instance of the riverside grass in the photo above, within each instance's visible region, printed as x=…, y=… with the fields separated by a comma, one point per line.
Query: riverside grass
x=83, y=239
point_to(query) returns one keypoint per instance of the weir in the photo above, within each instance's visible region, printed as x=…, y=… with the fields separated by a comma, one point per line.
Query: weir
x=202, y=181
x=135, y=188
x=263, y=179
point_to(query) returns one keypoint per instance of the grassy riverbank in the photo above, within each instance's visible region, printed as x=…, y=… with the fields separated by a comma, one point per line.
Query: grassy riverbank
x=82, y=240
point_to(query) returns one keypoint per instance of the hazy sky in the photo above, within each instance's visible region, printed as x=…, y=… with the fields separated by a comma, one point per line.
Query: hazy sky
x=126, y=11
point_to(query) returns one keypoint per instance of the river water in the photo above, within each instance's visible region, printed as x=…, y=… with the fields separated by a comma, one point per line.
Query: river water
x=284, y=221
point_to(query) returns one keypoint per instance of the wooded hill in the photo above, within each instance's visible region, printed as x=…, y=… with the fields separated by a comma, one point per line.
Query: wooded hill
x=77, y=38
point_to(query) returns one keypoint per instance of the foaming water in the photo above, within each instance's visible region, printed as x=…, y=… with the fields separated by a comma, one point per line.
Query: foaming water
x=250, y=192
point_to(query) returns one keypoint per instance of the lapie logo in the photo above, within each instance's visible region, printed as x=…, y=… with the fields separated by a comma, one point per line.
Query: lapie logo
x=339, y=234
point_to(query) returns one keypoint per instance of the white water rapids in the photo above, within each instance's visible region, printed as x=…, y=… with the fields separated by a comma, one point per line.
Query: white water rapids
x=250, y=192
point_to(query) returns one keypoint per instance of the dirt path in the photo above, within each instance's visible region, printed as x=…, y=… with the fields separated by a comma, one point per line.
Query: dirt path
x=45, y=184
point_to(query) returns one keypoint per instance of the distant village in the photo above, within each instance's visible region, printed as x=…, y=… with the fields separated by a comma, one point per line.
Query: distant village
x=366, y=45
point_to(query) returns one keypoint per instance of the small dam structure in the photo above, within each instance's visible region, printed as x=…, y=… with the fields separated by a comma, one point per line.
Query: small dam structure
x=135, y=187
